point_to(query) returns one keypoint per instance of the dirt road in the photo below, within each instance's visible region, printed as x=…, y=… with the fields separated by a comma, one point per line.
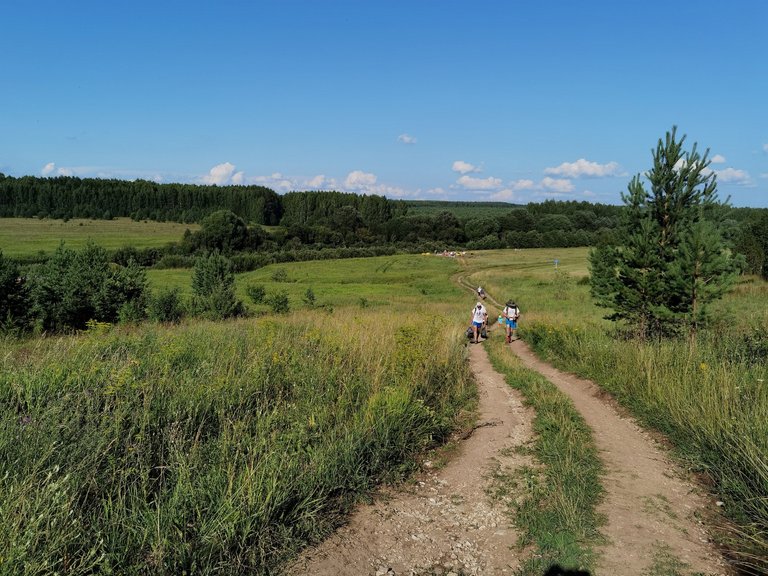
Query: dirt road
x=446, y=524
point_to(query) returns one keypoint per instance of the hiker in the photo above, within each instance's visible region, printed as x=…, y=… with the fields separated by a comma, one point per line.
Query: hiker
x=511, y=313
x=479, y=316
x=480, y=292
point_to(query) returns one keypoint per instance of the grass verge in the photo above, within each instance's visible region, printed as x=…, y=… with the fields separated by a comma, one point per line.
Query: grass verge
x=710, y=399
x=556, y=507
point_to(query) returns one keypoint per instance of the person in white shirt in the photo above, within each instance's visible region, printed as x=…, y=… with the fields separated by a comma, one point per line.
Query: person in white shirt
x=511, y=313
x=479, y=317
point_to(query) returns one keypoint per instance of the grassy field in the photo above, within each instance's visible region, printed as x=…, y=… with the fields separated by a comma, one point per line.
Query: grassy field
x=710, y=397
x=29, y=236
x=224, y=447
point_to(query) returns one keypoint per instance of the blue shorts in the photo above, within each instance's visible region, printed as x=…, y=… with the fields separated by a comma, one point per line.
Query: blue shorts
x=478, y=324
x=511, y=323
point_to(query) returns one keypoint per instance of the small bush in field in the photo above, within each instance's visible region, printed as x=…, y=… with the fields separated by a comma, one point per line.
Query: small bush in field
x=309, y=298
x=279, y=302
x=257, y=293
x=166, y=306
x=280, y=275
x=214, y=286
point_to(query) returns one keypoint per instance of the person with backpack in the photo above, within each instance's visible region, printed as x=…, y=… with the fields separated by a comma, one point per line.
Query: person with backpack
x=479, y=317
x=511, y=313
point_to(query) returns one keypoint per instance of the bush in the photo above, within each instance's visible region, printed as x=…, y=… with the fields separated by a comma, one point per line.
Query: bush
x=214, y=286
x=14, y=297
x=73, y=287
x=279, y=302
x=257, y=293
x=166, y=306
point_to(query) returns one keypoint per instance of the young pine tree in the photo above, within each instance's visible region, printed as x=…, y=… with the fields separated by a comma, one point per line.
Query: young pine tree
x=671, y=259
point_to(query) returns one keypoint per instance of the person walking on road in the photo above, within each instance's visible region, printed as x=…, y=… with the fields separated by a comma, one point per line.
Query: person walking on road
x=479, y=317
x=511, y=313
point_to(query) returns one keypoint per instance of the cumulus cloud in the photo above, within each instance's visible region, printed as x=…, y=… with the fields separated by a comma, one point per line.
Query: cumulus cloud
x=464, y=167
x=718, y=159
x=560, y=185
x=505, y=195
x=470, y=183
x=359, y=180
x=221, y=174
x=586, y=169
x=733, y=176
x=406, y=139
x=51, y=170
x=522, y=184
x=321, y=182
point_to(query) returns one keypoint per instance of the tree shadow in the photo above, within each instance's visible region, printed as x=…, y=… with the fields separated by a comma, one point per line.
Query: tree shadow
x=557, y=570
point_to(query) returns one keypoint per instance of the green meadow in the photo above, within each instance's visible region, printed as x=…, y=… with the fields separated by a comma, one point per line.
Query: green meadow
x=29, y=236
x=709, y=396
x=226, y=447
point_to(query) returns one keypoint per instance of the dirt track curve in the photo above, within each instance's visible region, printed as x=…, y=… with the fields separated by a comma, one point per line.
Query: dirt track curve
x=445, y=522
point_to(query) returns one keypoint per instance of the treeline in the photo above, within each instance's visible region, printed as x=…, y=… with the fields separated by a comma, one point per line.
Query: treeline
x=334, y=220
x=66, y=197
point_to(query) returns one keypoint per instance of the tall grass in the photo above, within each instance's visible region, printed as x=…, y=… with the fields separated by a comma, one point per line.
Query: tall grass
x=211, y=448
x=710, y=398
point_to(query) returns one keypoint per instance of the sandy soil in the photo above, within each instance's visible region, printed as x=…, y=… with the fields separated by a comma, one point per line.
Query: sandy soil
x=446, y=524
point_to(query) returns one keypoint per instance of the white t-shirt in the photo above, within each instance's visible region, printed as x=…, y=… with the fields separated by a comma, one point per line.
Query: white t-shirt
x=478, y=314
x=511, y=312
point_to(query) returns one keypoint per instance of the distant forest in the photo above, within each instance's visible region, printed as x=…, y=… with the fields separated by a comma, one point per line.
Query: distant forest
x=318, y=220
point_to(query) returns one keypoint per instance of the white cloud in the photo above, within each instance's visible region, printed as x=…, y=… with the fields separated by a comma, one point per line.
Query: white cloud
x=560, y=185
x=718, y=159
x=359, y=180
x=276, y=181
x=733, y=176
x=765, y=148
x=220, y=174
x=51, y=170
x=506, y=195
x=585, y=168
x=764, y=175
x=406, y=139
x=470, y=183
x=464, y=167
x=523, y=184
x=321, y=182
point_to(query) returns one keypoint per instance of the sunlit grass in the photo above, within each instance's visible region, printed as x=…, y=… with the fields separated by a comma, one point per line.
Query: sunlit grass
x=29, y=236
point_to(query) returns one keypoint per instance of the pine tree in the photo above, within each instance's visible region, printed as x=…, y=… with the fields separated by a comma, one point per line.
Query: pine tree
x=671, y=260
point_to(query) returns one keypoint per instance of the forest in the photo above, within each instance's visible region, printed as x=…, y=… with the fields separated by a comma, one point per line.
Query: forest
x=295, y=225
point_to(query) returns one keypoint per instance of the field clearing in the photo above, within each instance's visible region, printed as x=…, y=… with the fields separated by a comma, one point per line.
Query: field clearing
x=381, y=281
x=30, y=236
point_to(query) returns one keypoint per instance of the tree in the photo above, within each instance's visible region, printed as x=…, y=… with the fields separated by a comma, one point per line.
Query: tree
x=213, y=284
x=671, y=260
x=14, y=296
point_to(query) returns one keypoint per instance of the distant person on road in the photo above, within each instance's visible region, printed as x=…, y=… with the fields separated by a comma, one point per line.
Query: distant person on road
x=511, y=313
x=479, y=317
x=480, y=292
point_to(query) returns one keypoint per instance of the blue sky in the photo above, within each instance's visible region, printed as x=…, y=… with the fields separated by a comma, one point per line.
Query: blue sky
x=423, y=99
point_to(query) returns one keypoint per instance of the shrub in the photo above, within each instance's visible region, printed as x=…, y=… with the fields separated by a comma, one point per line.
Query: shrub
x=214, y=286
x=279, y=302
x=14, y=296
x=166, y=306
x=257, y=293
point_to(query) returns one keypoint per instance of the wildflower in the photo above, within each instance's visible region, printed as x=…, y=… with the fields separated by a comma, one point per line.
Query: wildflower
x=703, y=366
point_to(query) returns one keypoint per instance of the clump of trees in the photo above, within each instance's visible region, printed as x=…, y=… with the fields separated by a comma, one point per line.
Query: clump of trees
x=671, y=258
